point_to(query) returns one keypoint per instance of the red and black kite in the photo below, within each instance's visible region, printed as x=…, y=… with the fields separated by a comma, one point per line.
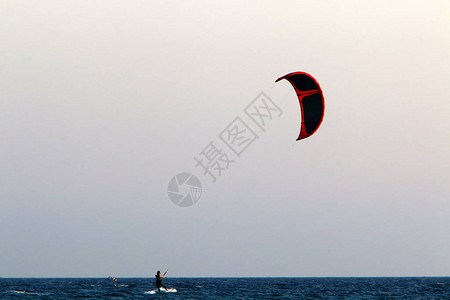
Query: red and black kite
x=310, y=97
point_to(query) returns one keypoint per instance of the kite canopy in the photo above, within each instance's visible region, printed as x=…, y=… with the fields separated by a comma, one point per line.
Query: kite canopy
x=310, y=97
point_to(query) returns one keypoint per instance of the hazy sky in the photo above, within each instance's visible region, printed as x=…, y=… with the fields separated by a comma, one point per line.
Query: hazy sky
x=103, y=102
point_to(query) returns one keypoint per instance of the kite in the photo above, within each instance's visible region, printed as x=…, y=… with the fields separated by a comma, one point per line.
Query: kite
x=310, y=97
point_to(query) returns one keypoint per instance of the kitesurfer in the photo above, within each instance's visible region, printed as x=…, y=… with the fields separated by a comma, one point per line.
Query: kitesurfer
x=159, y=283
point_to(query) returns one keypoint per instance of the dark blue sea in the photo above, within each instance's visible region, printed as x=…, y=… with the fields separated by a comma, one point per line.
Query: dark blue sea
x=228, y=288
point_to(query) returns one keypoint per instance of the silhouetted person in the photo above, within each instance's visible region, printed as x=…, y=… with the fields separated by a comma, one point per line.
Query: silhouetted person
x=159, y=283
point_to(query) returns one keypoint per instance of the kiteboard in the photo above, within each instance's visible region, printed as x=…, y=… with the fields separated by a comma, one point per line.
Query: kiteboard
x=162, y=290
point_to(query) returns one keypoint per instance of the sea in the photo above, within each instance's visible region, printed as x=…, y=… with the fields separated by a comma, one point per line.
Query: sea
x=228, y=288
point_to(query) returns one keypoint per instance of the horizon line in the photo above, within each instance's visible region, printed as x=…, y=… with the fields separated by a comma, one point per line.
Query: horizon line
x=134, y=277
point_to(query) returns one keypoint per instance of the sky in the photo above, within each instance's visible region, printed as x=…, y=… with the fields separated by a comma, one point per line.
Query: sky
x=104, y=102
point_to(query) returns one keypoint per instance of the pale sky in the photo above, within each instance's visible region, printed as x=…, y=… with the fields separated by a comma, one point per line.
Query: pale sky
x=103, y=102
